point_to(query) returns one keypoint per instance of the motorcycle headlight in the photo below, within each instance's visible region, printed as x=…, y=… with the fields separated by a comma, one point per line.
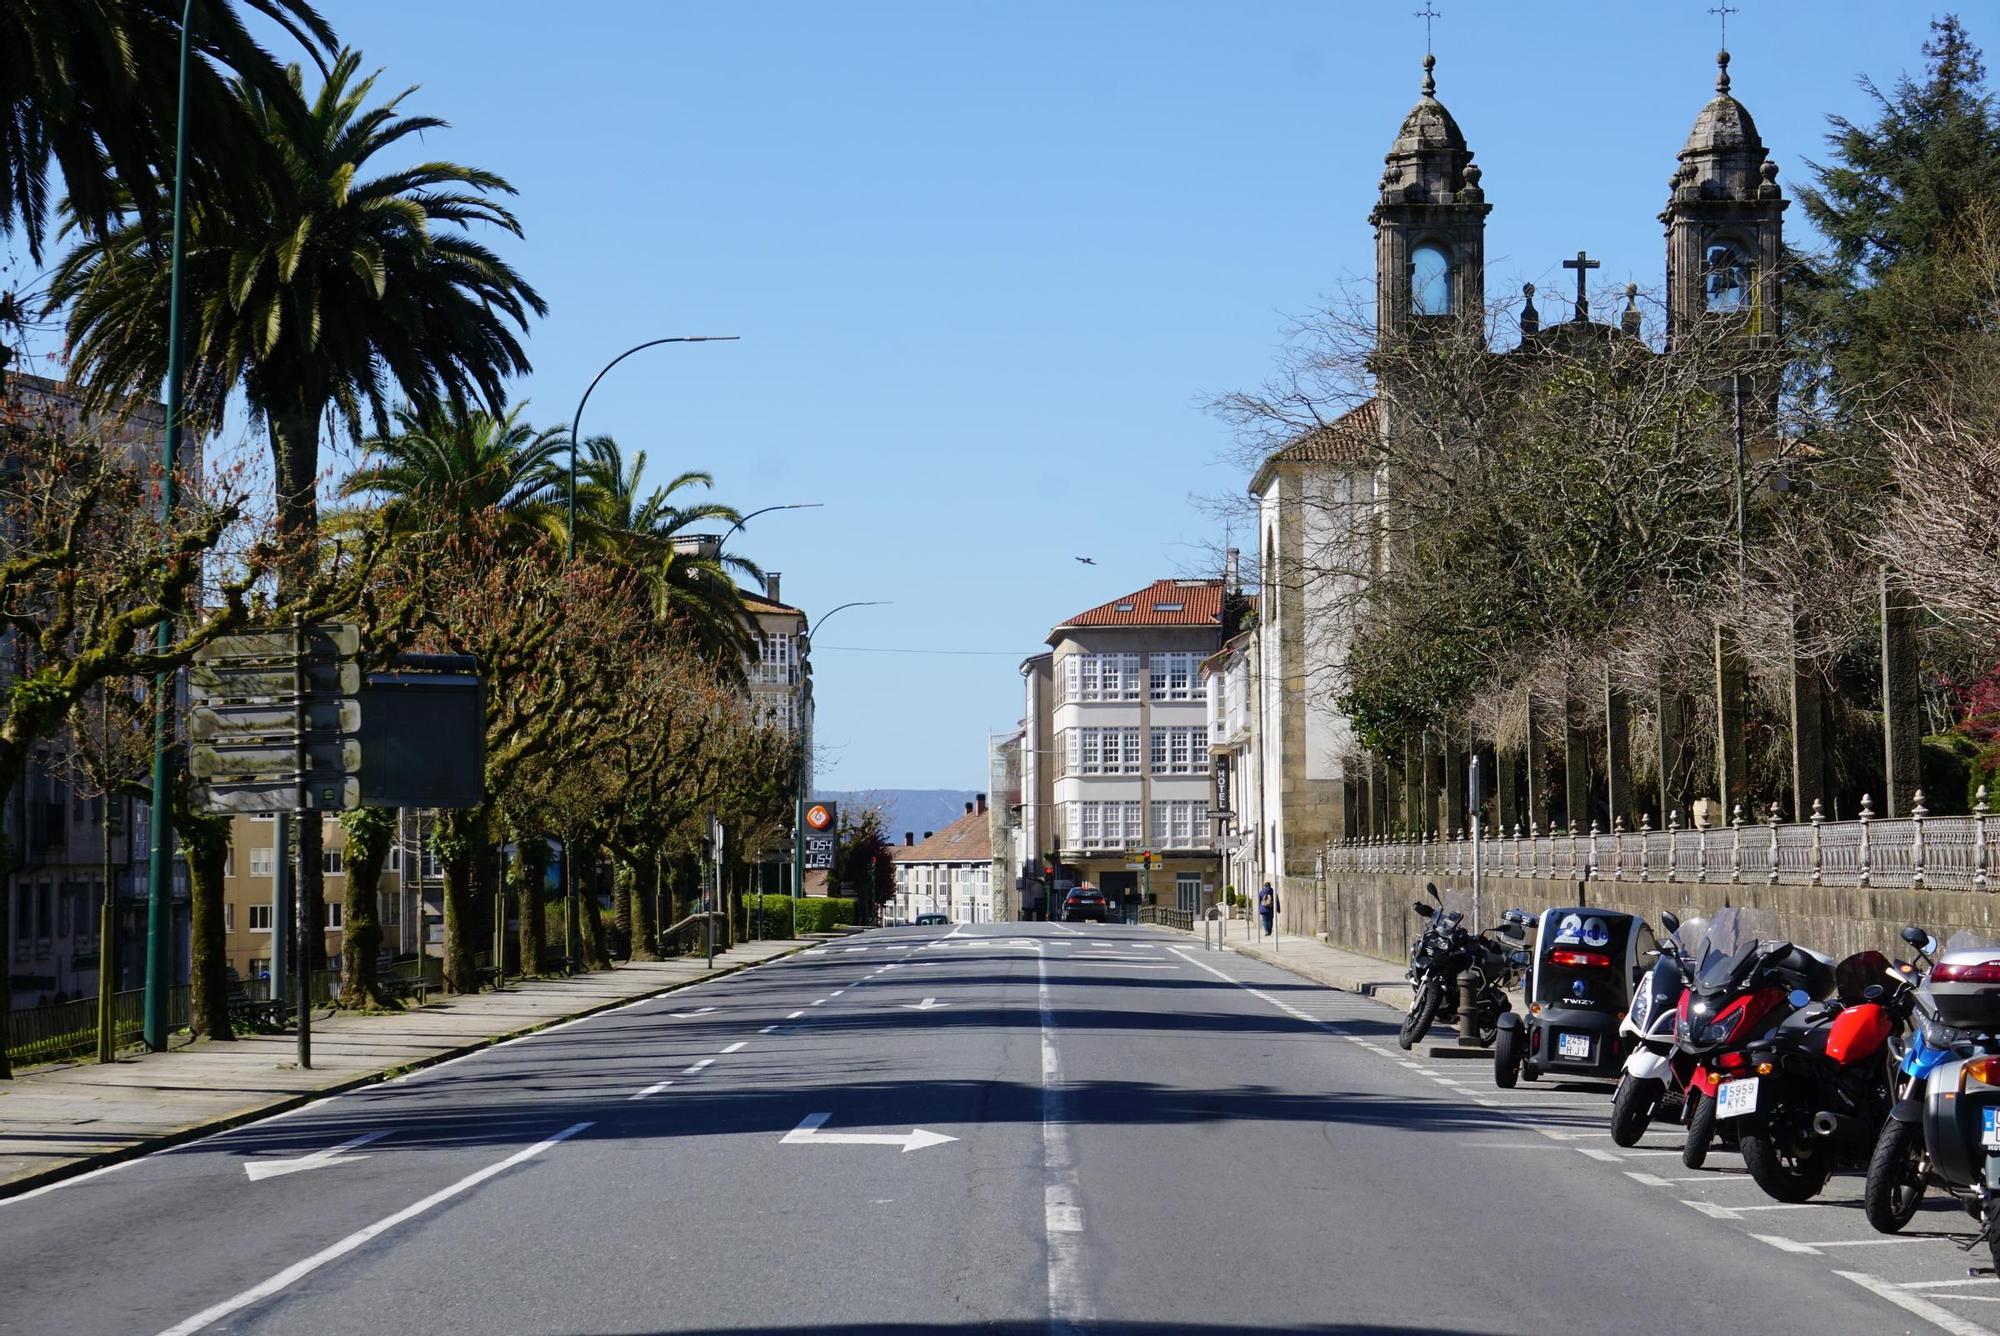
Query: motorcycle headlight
x=1717, y=1032
x=1642, y=1007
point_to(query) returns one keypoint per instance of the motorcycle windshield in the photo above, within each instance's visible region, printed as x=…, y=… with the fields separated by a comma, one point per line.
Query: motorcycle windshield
x=1733, y=939
x=1459, y=903
x=1688, y=936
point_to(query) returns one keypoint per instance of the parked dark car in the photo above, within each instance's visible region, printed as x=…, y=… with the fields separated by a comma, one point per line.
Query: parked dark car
x=1084, y=903
x=932, y=919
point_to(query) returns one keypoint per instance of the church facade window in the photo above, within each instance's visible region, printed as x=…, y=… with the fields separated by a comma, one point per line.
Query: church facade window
x=1728, y=278
x=1430, y=280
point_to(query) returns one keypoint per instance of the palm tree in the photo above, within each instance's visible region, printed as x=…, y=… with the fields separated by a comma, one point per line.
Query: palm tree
x=330, y=294
x=691, y=578
x=91, y=86
x=447, y=466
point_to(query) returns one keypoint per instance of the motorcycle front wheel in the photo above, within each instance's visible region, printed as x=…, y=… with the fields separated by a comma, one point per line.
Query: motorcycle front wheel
x=1897, y=1177
x=1786, y=1173
x=1632, y=1108
x=1701, y=1130
x=1422, y=1012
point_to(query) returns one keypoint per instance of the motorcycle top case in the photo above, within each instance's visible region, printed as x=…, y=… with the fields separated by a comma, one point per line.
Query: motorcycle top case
x=1966, y=1004
x=1956, y=1123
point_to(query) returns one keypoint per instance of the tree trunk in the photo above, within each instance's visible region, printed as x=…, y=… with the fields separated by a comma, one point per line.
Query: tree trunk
x=622, y=879
x=592, y=911
x=204, y=840
x=531, y=866
x=369, y=833
x=645, y=926
x=460, y=834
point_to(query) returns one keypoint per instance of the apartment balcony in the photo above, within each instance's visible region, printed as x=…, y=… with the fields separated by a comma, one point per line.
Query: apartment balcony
x=772, y=674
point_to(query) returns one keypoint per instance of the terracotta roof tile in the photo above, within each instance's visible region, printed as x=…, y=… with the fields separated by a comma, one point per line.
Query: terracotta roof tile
x=1161, y=603
x=1348, y=439
x=966, y=840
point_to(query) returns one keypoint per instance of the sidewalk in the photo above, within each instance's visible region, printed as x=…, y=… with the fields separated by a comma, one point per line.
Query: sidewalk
x=56, y=1122
x=1313, y=959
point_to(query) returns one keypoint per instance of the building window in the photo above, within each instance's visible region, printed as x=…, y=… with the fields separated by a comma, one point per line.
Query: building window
x=1728, y=278
x=1187, y=890
x=1430, y=281
x=263, y=862
x=1099, y=677
x=260, y=918
x=334, y=909
x=1104, y=825
x=259, y=968
x=332, y=863
x=1180, y=824
x=1101, y=751
x=229, y=918
x=1180, y=751
x=1177, y=677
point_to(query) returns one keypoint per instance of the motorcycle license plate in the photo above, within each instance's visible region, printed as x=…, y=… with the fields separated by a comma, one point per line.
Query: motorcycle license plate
x=1735, y=1098
x=1989, y=1131
x=1573, y=1046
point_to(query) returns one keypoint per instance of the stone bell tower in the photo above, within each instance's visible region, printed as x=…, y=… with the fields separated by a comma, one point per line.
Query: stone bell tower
x=1725, y=223
x=1430, y=223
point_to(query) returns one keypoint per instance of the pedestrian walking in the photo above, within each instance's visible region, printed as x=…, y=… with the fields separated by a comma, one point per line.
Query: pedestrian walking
x=1267, y=906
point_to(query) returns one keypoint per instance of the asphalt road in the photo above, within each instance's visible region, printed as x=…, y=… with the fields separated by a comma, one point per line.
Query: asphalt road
x=1062, y=1130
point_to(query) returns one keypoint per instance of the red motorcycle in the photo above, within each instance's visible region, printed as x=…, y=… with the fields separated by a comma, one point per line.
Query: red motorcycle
x=1745, y=982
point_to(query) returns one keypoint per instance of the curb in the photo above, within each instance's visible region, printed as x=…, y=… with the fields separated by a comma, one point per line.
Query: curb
x=181, y=1136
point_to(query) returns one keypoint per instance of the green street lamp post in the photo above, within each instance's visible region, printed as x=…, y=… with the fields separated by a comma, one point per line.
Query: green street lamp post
x=575, y=444
x=796, y=505
x=799, y=817
x=160, y=865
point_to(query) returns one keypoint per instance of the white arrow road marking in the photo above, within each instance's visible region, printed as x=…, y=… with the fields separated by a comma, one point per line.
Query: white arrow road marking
x=808, y=1133
x=928, y=1004
x=689, y=1015
x=259, y=1170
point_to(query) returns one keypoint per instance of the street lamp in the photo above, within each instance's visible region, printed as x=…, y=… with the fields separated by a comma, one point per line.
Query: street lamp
x=796, y=505
x=576, y=423
x=799, y=818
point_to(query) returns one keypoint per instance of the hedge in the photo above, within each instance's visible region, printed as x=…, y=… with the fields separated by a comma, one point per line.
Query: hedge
x=822, y=915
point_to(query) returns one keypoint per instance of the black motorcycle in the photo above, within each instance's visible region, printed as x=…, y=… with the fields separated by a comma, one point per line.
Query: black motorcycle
x=1447, y=949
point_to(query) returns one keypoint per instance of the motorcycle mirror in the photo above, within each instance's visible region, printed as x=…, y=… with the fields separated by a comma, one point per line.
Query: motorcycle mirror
x=1930, y=946
x=1515, y=932
x=1423, y=910
x=1798, y=998
x=1431, y=889
x=1915, y=936
x=1670, y=921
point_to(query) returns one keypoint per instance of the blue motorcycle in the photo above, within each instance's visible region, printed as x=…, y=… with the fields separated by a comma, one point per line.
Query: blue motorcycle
x=1943, y=1033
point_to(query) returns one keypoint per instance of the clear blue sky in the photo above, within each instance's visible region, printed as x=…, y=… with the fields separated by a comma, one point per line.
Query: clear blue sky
x=987, y=259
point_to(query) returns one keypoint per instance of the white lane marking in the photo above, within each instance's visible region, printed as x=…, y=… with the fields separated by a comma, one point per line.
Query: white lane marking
x=1115, y=965
x=1062, y=1213
x=817, y=1002
x=928, y=1004
x=1604, y=1155
x=1877, y=1243
x=691, y=1071
x=685, y=1015
x=208, y=1317
x=808, y=1133
x=651, y=1090
x=1060, y=928
x=1711, y=1210
x=1947, y=1284
x=795, y=1015
x=259, y=1170
x=767, y=1029
x=836, y=992
x=1915, y=1306
x=741, y=1043
x=1783, y=1244
x=1973, y=1298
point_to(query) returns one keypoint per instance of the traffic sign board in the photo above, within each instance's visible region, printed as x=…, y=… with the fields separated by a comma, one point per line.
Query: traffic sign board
x=217, y=723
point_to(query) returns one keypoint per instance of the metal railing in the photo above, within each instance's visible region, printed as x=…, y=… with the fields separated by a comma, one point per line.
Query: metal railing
x=69, y=1029
x=1167, y=918
x=1920, y=850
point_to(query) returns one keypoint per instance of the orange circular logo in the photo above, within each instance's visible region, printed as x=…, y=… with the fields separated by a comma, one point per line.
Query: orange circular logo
x=818, y=816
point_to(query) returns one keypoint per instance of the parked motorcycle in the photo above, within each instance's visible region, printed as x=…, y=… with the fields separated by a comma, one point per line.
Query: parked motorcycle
x=1648, y=1088
x=1445, y=950
x=1813, y=1093
x=1945, y=1126
x=1746, y=981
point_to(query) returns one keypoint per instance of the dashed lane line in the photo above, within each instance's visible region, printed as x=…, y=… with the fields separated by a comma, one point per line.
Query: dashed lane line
x=741, y=1043
x=651, y=1090
x=697, y=1067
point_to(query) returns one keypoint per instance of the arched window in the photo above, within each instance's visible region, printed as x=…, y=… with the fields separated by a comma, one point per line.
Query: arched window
x=1728, y=278
x=1430, y=281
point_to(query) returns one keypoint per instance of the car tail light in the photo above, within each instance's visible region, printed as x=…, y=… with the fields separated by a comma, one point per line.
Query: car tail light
x=1580, y=959
x=1986, y=971
x=1986, y=1071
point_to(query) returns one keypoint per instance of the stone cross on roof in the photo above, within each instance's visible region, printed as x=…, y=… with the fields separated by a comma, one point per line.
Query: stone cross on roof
x=1582, y=264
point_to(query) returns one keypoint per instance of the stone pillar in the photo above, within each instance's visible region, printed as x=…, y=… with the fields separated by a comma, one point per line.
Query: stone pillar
x=1732, y=765
x=1617, y=765
x=1576, y=768
x=1902, y=699
x=1535, y=801
x=1507, y=809
x=1672, y=760
x=1453, y=756
x=1809, y=768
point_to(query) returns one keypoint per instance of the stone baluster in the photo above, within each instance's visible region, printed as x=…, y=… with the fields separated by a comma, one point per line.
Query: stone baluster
x=1517, y=848
x=1645, y=849
x=1979, y=868
x=1736, y=846
x=1701, y=855
x=1917, y=815
x=1773, y=818
x=1818, y=851
x=1673, y=845
x=1617, y=848
x=1861, y=854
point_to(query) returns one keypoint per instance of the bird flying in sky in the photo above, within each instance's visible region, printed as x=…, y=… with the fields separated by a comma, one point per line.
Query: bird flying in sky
x=1088, y=561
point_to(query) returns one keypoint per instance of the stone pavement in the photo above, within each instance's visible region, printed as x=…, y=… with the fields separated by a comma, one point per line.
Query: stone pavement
x=59, y=1121
x=1308, y=956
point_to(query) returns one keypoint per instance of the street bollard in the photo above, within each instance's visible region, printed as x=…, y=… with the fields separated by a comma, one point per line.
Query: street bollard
x=1468, y=1008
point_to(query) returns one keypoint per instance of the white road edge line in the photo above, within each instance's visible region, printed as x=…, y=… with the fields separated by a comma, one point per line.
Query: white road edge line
x=297, y=1271
x=767, y=1029
x=795, y=1015
x=1062, y=1214
x=651, y=1090
x=697, y=1067
x=741, y=1043
x=1939, y=1317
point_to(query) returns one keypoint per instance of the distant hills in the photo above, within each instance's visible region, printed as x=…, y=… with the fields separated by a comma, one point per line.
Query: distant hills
x=911, y=810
